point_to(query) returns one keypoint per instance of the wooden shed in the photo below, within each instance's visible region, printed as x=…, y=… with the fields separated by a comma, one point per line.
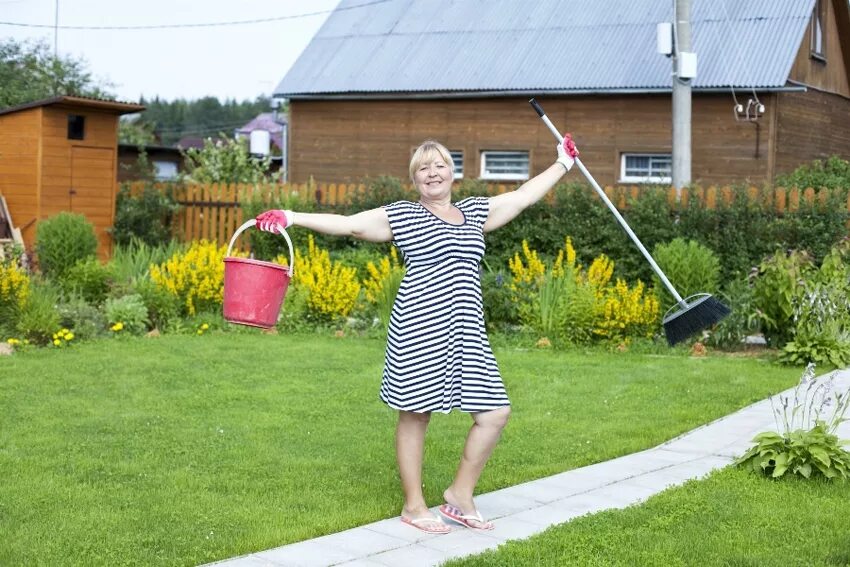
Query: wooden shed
x=60, y=154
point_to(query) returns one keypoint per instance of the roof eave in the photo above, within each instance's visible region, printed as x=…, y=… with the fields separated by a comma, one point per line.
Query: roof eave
x=515, y=93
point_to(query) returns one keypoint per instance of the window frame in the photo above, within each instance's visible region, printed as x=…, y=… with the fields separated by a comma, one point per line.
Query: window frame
x=818, y=22
x=644, y=179
x=504, y=176
x=453, y=153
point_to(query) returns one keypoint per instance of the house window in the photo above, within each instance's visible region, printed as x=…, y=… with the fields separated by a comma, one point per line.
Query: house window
x=457, y=158
x=818, y=30
x=646, y=168
x=76, y=127
x=165, y=170
x=509, y=165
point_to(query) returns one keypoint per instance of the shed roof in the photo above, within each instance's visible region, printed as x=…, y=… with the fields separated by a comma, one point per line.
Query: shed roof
x=512, y=46
x=113, y=106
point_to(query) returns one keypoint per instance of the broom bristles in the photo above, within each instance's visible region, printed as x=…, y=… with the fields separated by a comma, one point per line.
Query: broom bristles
x=697, y=316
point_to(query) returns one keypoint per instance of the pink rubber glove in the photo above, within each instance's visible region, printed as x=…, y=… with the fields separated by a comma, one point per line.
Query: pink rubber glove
x=567, y=152
x=269, y=220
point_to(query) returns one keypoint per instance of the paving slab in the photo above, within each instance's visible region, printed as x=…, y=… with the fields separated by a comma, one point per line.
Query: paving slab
x=529, y=508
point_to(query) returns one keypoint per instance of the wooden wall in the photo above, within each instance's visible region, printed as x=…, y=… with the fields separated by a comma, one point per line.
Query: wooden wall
x=19, y=165
x=811, y=125
x=345, y=141
x=830, y=74
x=80, y=175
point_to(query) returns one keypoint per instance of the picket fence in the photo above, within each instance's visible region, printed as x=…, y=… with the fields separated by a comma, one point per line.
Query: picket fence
x=214, y=212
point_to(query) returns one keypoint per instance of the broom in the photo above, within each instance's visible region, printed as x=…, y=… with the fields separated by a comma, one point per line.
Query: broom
x=687, y=316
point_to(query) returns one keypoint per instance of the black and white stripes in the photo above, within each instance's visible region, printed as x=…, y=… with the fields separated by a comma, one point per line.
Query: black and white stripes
x=438, y=355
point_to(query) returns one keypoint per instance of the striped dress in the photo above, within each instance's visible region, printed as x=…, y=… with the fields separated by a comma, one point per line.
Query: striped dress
x=438, y=355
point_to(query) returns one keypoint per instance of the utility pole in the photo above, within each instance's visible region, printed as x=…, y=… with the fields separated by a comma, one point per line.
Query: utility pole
x=682, y=95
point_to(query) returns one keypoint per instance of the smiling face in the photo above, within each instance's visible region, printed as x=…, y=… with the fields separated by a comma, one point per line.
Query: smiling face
x=431, y=171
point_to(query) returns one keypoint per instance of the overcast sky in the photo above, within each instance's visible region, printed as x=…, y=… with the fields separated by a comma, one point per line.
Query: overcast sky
x=230, y=61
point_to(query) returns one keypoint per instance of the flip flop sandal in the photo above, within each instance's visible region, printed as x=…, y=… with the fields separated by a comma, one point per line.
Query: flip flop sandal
x=474, y=521
x=422, y=524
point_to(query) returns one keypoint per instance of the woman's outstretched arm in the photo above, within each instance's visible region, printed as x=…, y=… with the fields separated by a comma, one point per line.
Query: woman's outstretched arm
x=372, y=225
x=504, y=208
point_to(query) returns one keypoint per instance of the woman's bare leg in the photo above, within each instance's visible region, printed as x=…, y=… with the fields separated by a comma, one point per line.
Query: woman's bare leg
x=410, y=447
x=483, y=436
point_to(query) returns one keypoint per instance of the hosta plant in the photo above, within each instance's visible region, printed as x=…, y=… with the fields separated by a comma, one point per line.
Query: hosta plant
x=805, y=442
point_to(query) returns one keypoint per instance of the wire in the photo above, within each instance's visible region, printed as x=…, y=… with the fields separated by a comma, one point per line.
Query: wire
x=207, y=25
x=746, y=68
x=720, y=43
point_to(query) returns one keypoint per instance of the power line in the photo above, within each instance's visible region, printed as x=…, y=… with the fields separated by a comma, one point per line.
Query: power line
x=206, y=25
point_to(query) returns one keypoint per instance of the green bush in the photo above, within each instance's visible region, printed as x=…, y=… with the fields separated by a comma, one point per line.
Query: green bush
x=805, y=443
x=744, y=320
x=690, y=267
x=834, y=173
x=83, y=318
x=88, y=278
x=39, y=319
x=130, y=310
x=821, y=313
x=500, y=311
x=146, y=217
x=778, y=283
x=162, y=307
x=131, y=262
x=63, y=240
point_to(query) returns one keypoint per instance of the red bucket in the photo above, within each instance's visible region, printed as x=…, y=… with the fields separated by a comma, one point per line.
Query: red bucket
x=253, y=289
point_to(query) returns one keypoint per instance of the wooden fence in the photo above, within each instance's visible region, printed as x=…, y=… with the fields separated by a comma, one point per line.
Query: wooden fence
x=214, y=211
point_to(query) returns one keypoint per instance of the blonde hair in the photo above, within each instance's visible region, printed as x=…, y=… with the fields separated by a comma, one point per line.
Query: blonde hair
x=428, y=151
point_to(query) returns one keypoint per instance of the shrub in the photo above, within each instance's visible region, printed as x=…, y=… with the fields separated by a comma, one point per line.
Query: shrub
x=778, y=282
x=14, y=291
x=821, y=314
x=332, y=288
x=63, y=240
x=89, y=278
x=39, y=319
x=627, y=312
x=805, y=443
x=378, y=192
x=381, y=287
x=743, y=321
x=146, y=217
x=163, y=307
x=834, y=173
x=690, y=267
x=84, y=319
x=131, y=262
x=195, y=277
x=130, y=311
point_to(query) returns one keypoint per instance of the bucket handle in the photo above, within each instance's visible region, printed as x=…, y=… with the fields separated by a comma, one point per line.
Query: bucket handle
x=248, y=224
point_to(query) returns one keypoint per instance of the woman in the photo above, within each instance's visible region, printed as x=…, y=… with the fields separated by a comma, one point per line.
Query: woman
x=438, y=356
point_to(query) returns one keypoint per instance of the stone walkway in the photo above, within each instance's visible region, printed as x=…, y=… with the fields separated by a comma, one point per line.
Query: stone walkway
x=526, y=509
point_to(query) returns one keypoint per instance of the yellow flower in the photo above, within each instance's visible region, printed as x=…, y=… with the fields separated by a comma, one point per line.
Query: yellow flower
x=117, y=326
x=204, y=327
x=69, y=336
x=200, y=332
x=57, y=342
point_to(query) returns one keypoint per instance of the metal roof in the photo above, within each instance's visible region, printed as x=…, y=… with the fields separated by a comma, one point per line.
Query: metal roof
x=503, y=46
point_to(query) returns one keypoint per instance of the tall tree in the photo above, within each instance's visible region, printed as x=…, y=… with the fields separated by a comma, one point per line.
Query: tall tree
x=29, y=71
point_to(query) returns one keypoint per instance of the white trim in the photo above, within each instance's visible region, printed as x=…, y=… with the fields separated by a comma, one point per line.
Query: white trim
x=504, y=176
x=454, y=153
x=643, y=179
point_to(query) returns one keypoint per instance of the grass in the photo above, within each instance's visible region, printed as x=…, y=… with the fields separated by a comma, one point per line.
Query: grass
x=187, y=449
x=734, y=517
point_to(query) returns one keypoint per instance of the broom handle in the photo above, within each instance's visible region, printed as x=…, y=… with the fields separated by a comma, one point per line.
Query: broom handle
x=611, y=206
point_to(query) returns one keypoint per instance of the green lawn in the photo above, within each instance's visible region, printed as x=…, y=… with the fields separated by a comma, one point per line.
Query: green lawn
x=734, y=517
x=187, y=449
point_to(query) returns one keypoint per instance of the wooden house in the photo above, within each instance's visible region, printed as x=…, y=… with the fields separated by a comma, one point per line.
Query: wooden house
x=771, y=90
x=60, y=154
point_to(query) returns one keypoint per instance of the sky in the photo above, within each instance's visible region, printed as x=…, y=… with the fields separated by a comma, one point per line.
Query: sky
x=228, y=62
